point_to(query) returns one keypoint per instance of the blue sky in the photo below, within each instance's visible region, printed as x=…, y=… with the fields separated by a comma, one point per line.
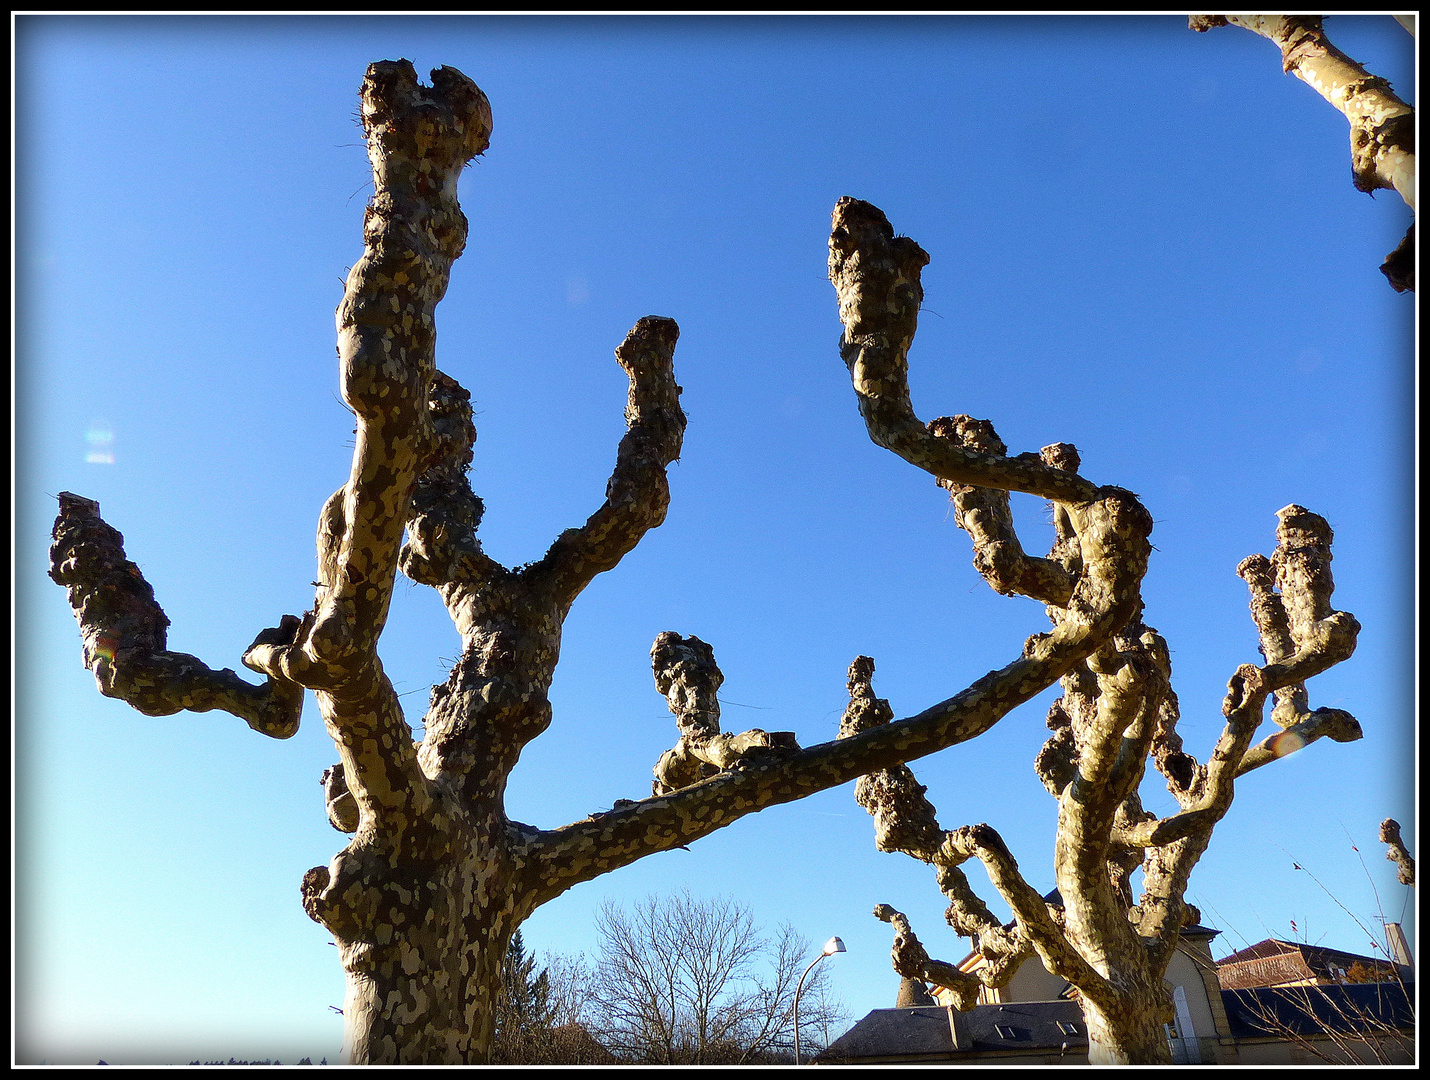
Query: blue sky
x=1144, y=242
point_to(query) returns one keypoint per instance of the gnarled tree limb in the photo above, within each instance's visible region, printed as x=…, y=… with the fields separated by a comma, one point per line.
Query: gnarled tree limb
x=1117, y=708
x=1321, y=637
x=125, y=633
x=1398, y=853
x=686, y=673
x=1382, y=126
x=985, y=514
x=912, y=961
x=637, y=493
x=876, y=276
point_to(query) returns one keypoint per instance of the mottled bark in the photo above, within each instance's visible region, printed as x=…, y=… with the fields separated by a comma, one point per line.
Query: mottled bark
x=686, y=673
x=1398, y=853
x=125, y=631
x=425, y=897
x=1382, y=126
x=1132, y=1033
x=1117, y=709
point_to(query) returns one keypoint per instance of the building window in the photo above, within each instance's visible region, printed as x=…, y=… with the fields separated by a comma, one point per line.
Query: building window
x=1067, y=1028
x=1004, y=1031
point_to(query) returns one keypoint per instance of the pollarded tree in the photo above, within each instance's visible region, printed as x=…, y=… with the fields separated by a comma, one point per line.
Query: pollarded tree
x=423, y=901
x=1117, y=708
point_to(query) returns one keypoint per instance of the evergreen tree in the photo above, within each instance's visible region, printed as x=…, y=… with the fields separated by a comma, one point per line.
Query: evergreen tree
x=524, y=1011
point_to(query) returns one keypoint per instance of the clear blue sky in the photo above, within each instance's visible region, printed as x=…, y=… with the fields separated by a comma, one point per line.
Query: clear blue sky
x=1145, y=242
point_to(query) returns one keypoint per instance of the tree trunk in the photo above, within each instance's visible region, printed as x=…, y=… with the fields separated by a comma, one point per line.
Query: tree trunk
x=421, y=936
x=428, y=996
x=1127, y=1032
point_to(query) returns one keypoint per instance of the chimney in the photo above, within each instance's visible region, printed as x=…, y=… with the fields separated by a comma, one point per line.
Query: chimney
x=913, y=993
x=1399, y=948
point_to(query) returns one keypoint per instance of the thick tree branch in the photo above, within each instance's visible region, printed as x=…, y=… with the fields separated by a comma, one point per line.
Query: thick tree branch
x=442, y=549
x=419, y=139
x=510, y=620
x=686, y=673
x=1113, y=731
x=877, y=278
x=1045, y=930
x=1274, y=628
x=1398, y=853
x=912, y=961
x=637, y=493
x=1334, y=724
x=985, y=514
x=1382, y=126
x=125, y=633
x=1115, y=542
x=1322, y=637
x=904, y=820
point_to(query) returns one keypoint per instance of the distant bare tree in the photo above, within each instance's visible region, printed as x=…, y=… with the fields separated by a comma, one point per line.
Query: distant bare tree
x=1382, y=126
x=568, y=983
x=689, y=981
x=544, y=1013
x=1333, y=1027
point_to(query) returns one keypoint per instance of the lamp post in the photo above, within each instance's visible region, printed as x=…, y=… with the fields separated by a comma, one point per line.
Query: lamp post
x=832, y=946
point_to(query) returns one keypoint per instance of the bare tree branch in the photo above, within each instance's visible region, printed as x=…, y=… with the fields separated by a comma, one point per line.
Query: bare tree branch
x=637, y=494
x=125, y=633
x=442, y=549
x=985, y=514
x=686, y=673
x=1398, y=853
x=596, y=845
x=904, y=820
x=1382, y=126
x=419, y=139
x=1322, y=637
x=912, y=960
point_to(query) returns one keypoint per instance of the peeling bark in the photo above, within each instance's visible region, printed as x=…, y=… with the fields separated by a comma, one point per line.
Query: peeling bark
x=1382, y=126
x=1117, y=710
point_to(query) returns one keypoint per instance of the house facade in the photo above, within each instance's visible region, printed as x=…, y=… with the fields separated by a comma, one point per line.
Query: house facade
x=1311, y=1019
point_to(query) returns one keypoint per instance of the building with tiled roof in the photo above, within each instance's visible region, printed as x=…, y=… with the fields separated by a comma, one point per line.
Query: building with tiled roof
x=1035, y=1019
x=1274, y=962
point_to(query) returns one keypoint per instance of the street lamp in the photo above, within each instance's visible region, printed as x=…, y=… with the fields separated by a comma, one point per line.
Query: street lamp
x=832, y=946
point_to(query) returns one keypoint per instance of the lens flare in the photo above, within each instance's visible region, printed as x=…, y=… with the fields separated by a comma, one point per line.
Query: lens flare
x=1285, y=742
x=100, y=437
x=104, y=647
